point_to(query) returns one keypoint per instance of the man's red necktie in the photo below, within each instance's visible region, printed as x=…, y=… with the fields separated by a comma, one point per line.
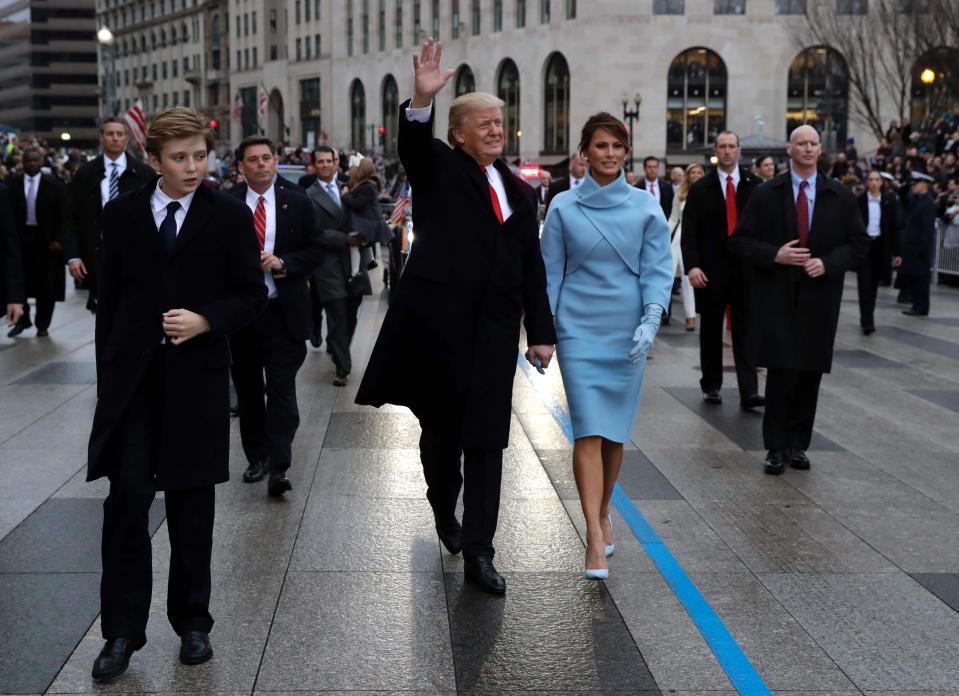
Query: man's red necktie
x=494, y=199
x=259, y=222
x=732, y=215
x=802, y=215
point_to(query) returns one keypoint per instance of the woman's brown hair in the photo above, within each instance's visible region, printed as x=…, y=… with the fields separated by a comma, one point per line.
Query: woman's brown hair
x=364, y=171
x=603, y=121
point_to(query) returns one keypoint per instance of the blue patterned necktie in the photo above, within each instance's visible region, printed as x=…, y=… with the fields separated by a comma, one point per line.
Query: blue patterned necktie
x=114, y=181
x=168, y=227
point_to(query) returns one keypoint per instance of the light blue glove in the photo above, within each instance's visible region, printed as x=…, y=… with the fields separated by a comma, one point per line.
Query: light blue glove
x=646, y=332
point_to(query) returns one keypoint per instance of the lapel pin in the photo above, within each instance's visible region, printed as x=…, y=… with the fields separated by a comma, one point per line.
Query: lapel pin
x=285, y=206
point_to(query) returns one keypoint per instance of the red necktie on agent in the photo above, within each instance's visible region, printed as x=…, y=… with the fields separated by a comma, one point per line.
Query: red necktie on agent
x=732, y=215
x=494, y=199
x=802, y=215
x=259, y=222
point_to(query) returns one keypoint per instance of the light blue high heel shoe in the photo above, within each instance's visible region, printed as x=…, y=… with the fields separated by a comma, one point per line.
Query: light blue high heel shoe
x=596, y=573
x=610, y=548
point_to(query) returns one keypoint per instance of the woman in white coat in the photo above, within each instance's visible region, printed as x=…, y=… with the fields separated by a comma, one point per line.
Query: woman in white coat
x=694, y=173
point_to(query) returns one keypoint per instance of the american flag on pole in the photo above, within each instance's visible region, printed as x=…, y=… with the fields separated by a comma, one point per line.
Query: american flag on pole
x=399, y=207
x=237, y=108
x=136, y=120
x=261, y=99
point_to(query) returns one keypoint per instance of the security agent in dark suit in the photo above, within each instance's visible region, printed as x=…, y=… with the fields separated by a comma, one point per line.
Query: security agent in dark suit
x=720, y=279
x=883, y=220
x=918, y=244
x=475, y=271
x=658, y=188
x=268, y=353
x=180, y=271
x=577, y=171
x=330, y=286
x=38, y=209
x=801, y=231
x=97, y=182
x=12, y=292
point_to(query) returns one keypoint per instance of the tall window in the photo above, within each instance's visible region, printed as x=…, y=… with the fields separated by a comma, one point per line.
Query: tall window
x=215, y=42
x=310, y=111
x=476, y=17
x=464, y=82
x=435, y=19
x=729, y=7
x=570, y=9
x=380, y=25
x=366, y=26
x=497, y=15
x=507, y=89
x=556, y=100
x=349, y=27
x=391, y=111
x=669, y=7
x=544, y=11
x=357, y=116
x=520, y=14
x=852, y=7
x=695, y=100
x=417, y=28
x=818, y=92
x=398, y=23
x=455, y=20
x=790, y=7
x=248, y=123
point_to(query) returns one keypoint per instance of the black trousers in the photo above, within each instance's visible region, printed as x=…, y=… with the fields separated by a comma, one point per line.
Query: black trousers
x=265, y=362
x=791, y=397
x=483, y=472
x=127, y=582
x=744, y=351
x=917, y=286
x=867, y=281
x=341, y=318
x=316, y=305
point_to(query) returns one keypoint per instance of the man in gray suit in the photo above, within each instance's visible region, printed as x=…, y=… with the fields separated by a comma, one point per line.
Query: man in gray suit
x=329, y=287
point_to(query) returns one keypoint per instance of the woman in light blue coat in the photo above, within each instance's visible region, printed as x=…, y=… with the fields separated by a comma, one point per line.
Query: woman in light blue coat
x=609, y=275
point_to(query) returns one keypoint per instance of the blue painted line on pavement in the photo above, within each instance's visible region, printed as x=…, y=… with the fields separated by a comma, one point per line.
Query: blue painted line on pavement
x=727, y=651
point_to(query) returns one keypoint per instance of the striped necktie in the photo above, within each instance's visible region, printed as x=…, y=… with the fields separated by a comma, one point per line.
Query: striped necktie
x=114, y=181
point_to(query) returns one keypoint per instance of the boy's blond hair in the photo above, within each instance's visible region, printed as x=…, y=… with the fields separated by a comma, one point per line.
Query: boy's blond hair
x=175, y=124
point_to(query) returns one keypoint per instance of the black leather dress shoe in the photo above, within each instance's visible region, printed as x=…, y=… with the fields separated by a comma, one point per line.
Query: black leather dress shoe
x=19, y=328
x=480, y=571
x=712, y=397
x=341, y=378
x=868, y=330
x=914, y=313
x=775, y=463
x=234, y=411
x=195, y=648
x=278, y=484
x=799, y=460
x=449, y=533
x=754, y=401
x=114, y=658
x=315, y=338
x=256, y=471
x=42, y=333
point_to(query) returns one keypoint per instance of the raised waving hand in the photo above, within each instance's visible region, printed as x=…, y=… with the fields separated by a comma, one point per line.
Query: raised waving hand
x=429, y=79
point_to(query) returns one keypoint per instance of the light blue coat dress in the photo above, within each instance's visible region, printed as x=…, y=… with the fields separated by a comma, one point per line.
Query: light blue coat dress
x=607, y=255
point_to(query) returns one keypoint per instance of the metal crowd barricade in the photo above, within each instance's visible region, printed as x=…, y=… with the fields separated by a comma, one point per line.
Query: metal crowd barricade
x=947, y=258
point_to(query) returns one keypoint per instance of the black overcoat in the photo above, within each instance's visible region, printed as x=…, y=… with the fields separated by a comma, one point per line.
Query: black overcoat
x=214, y=270
x=705, y=242
x=919, y=236
x=797, y=314
x=665, y=195
x=12, y=290
x=42, y=268
x=298, y=245
x=890, y=230
x=449, y=343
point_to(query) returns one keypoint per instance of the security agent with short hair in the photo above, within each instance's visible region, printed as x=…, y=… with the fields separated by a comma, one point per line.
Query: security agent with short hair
x=268, y=353
x=918, y=244
x=97, y=182
x=180, y=272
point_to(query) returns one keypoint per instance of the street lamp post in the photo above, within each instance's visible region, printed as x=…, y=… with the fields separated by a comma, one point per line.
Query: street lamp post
x=108, y=45
x=928, y=77
x=631, y=116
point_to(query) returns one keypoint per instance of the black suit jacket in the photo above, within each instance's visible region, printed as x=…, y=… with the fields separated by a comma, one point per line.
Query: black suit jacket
x=298, y=245
x=705, y=241
x=468, y=283
x=81, y=239
x=12, y=290
x=40, y=264
x=890, y=229
x=556, y=187
x=214, y=270
x=665, y=195
x=798, y=315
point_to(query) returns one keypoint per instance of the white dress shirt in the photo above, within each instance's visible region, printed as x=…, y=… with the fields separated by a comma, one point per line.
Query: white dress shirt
x=574, y=182
x=652, y=188
x=269, y=205
x=875, y=214
x=723, y=176
x=31, y=210
x=422, y=115
x=121, y=163
x=159, y=201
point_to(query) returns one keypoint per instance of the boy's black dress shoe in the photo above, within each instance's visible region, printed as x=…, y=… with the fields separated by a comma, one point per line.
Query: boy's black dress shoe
x=278, y=484
x=195, y=648
x=256, y=471
x=775, y=463
x=114, y=658
x=799, y=460
x=19, y=328
x=712, y=397
x=449, y=533
x=480, y=571
x=909, y=313
x=754, y=401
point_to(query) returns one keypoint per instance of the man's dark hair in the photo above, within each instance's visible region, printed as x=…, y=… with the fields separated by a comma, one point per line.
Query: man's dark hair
x=606, y=122
x=323, y=148
x=108, y=120
x=649, y=158
x=250, y=142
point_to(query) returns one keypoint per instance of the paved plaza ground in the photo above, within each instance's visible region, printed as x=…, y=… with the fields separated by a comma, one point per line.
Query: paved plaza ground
x=837, y=581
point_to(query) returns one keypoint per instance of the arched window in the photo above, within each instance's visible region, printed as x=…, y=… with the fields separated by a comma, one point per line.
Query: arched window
x=357, y=116
x=185, y=33
x=464, y=81
x=163, y=38
x=153, y=40
x=556, y=101
x=819, y=94
x=507, y=89
x=696, y=99
x=391, y=108
x=937, y=90
x=173, y=35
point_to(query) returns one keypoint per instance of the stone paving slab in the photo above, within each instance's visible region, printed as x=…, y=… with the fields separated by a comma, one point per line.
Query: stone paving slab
x=944, y=585
x=62, y=373
x=947, y=398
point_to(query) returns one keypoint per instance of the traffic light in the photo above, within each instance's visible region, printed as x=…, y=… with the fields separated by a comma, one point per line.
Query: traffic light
x=214, y=126
x=382, y=136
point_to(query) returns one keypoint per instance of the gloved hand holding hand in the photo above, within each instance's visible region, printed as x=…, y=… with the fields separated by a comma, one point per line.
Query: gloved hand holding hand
x=646, y=332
